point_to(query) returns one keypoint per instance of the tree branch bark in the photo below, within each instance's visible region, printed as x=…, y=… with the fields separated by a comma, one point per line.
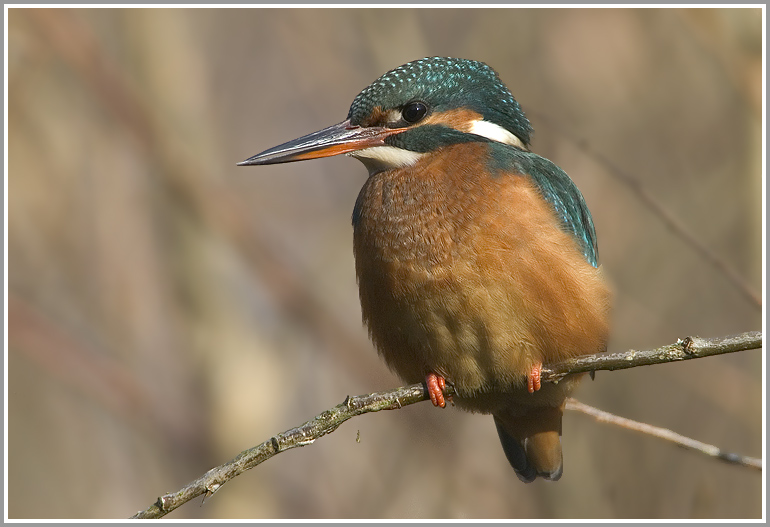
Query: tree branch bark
x=330, y=420
x=683, y=349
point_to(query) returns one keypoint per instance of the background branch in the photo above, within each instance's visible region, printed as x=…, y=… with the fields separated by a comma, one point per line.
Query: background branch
x=664, y=433
x=330, y=420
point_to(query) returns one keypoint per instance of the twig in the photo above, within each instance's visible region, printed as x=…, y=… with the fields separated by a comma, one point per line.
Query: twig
x=303, y=435
x=664, y=433
x=330, y=420
x=684, y=349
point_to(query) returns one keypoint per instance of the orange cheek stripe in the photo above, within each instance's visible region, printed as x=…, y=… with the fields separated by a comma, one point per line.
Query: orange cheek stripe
x=459, y=119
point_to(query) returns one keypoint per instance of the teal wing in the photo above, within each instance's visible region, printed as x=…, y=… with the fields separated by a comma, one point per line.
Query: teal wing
x=558, y=190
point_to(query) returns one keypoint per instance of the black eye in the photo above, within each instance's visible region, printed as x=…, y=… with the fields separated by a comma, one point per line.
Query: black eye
x=414, y=111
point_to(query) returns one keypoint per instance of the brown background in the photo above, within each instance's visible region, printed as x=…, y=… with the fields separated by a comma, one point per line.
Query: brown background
x=168, y=309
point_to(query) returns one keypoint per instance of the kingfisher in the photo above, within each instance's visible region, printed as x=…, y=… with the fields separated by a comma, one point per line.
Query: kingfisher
x=476, y=259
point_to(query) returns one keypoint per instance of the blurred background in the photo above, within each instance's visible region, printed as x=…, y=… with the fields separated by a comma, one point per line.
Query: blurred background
x=168, y=309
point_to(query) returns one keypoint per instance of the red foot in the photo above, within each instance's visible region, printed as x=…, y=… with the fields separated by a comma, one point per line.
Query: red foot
x=436, y=385
x=533, y=379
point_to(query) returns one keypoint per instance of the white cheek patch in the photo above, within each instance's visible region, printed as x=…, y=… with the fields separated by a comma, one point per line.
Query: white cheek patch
x=393, y=116
x=385, y=157
x=495, y=132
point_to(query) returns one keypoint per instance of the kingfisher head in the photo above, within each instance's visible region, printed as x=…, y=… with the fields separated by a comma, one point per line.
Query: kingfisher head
x=412, y=110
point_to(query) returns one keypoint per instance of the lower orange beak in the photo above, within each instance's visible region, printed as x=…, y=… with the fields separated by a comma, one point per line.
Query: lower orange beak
x=337, y=139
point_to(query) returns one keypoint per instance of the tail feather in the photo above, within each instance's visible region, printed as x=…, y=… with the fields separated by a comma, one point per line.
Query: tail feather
x=516, y=455
x=531, y=442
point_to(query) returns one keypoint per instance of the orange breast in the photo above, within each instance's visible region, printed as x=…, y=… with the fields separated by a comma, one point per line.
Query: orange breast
x=469, y=275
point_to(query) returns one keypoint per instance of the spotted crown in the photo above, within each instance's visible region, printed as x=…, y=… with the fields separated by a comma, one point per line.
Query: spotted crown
x=446, y=83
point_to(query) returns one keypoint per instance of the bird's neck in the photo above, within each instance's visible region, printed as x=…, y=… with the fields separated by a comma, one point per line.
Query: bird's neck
x=422, y=212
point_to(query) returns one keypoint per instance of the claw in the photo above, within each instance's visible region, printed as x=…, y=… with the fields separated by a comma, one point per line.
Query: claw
x=533, y=379
x=436, y=385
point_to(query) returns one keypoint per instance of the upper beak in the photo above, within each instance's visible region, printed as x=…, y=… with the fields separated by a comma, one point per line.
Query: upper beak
x=337, y=139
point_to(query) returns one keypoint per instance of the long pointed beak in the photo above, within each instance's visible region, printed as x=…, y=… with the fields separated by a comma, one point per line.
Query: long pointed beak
x=337, y=139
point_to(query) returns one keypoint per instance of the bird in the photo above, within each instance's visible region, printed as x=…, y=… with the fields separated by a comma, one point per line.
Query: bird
x=476, y=259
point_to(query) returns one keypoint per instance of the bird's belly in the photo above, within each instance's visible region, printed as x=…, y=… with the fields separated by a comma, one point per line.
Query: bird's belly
x=444, y=319
x=448, y=321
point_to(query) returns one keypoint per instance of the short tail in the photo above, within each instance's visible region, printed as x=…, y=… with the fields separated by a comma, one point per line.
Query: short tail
x=531, y=442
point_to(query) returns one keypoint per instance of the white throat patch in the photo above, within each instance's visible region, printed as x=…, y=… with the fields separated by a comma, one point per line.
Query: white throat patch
x=379, y=158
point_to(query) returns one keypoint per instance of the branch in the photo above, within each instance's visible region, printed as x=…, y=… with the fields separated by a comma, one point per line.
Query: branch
x=664, y=433
x=330, y=420
x=303, y=435
x=684, y=349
